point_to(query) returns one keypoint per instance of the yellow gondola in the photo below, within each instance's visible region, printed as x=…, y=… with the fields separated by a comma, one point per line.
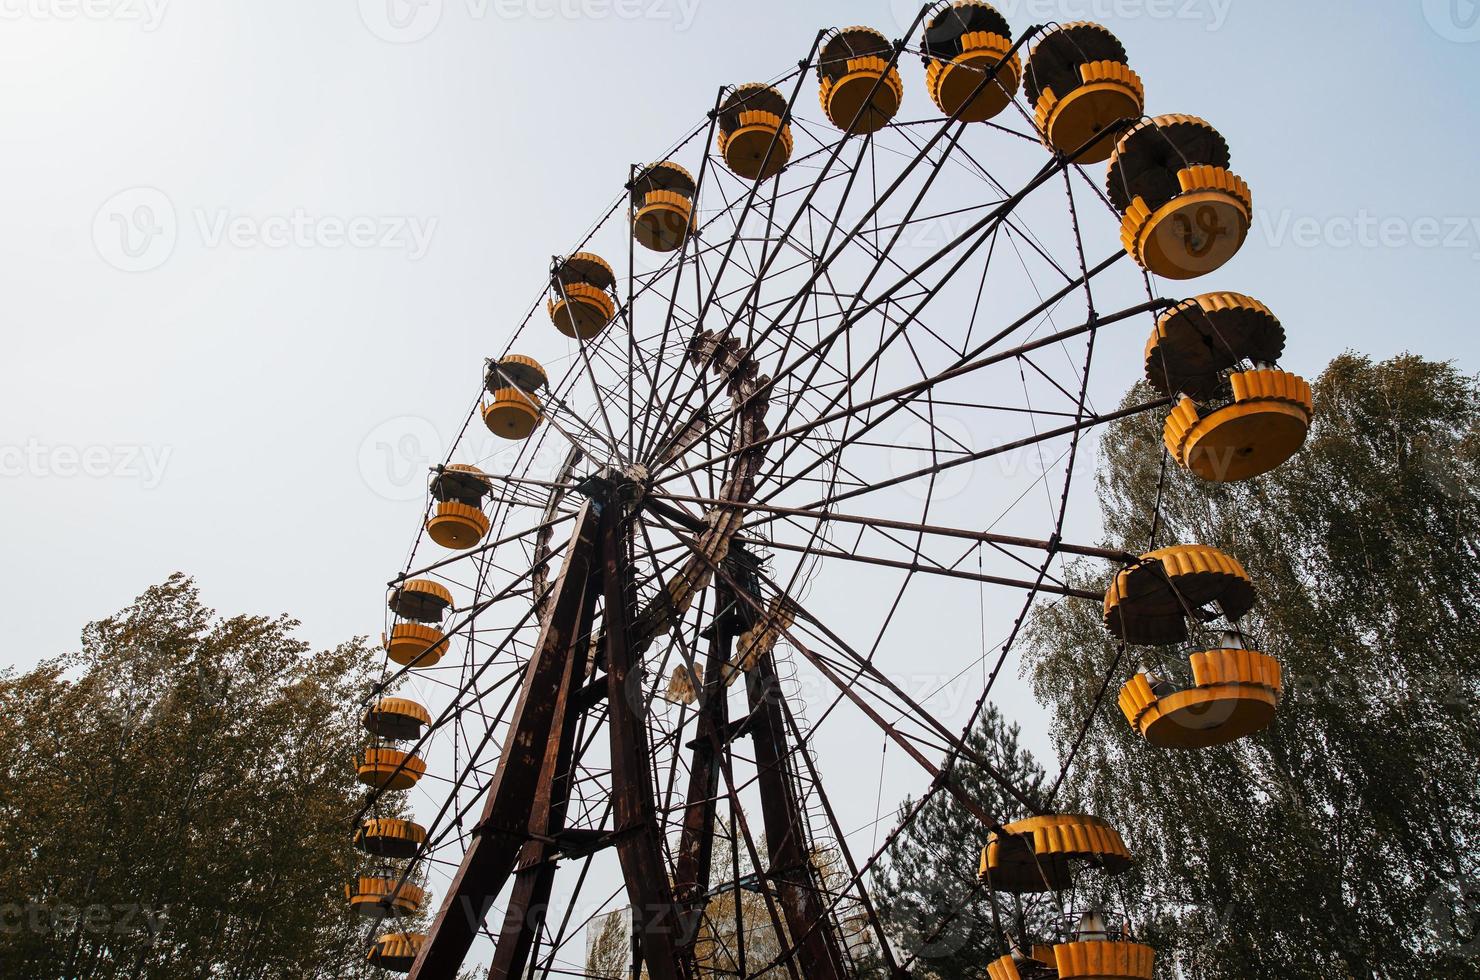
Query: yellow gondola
x=378, y=897
x=753, y=135
x=458, y=520
x=1081, y=87
x=964, y=44
x=389, y=837
x=415, y=644
x=397, y=719
x=1040, y=854
x=1185, y=214
x=1235, y=693
x=1149, y=603
x=581, y=304
x=861, y=90
x=1227, y=426
x=663, y=206
x=390, y=769
x=396, y=951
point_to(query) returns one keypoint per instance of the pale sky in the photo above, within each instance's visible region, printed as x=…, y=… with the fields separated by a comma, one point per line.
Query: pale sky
x=254, y=253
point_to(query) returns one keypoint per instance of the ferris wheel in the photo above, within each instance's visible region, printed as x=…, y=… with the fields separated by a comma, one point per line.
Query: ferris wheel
x=731, y=453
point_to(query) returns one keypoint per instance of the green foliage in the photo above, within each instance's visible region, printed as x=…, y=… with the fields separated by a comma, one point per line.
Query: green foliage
x=1342, y=842
x=930, y=868
x=177, y=800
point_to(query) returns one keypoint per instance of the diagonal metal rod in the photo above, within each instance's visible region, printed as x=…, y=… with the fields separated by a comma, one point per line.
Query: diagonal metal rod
x=953, y=532
x=1090, y=422
x=825, y=263
x=921, y=715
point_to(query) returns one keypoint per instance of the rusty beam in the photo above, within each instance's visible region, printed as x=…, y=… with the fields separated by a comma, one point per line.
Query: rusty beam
x=788, y=842
x=504, y=827
x=696, y=844
x=657, y=927
x=529, y=903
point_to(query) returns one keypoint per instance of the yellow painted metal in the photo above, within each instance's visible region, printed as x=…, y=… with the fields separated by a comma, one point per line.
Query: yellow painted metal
x=420, y=599
x=1147, y=603
x=1039, y=967
x=951, y=83
x=416, y=645
x=1109, y=92
x=1194, y=233
x=662, y=223
x=1266, y=425
x=586, y=267
x=389, y=837
x=581, y=310
x=1040, y=854
x=376, y=897
x=457, y=525
x=1200, y=338
x=390, y=769
x=859, y=95
x=398, y=719
x=396, y=951
x=1235, y=693
x=513, y=414
x=524, y=373
x=1105, y=961
x=745, y=148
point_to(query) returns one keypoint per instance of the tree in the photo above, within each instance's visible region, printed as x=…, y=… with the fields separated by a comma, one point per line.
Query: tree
x=177, y=800
x=1341, y=842
x=716, y=945
x=609, y=951
x=930, y=867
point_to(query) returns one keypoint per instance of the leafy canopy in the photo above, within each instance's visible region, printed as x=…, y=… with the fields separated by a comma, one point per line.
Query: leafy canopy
x=177, y=800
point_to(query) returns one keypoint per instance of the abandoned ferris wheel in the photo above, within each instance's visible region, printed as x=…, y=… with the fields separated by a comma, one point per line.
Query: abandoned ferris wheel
x=592, y=649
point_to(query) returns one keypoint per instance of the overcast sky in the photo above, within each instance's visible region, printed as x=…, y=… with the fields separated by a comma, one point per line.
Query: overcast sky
x=246, y=246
